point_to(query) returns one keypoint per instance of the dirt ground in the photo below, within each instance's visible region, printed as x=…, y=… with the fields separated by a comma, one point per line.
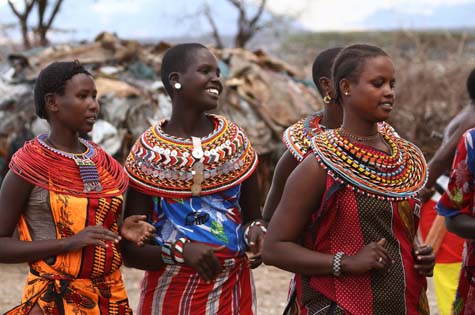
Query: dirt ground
x=271, y=284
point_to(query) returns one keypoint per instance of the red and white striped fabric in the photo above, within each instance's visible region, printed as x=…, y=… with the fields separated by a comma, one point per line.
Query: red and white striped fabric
x=179, y=290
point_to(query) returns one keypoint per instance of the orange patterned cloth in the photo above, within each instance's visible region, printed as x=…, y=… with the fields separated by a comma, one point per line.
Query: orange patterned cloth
x=86, y=281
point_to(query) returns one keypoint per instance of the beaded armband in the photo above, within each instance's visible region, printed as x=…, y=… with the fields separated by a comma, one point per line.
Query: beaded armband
x=172, y=252
x=178, y=250
x=247, y=230
x=336, y=265
x=167, y=256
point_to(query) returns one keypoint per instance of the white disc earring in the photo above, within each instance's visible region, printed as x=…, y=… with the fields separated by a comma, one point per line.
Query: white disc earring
x=177, y=86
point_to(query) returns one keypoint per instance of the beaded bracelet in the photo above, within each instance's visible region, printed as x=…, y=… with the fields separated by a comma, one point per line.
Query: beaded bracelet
x=336, y=264
x=172, y=252
x=178, y=250
x=167, y=256
x=257, y=223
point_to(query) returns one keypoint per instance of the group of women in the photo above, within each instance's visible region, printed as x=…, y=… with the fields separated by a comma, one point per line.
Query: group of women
x=342, y=213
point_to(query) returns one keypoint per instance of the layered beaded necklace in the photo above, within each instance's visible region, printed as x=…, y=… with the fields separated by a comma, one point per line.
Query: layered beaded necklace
x=297, y=138
x=398, y=175
x=93, y=173
x=173, y=167
x=87, y=168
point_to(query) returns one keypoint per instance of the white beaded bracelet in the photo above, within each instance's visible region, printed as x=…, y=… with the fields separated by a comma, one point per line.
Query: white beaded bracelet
x=336, y=265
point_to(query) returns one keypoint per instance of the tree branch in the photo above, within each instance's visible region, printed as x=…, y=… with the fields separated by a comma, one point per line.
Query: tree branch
x=53, y=14
x=216, y=36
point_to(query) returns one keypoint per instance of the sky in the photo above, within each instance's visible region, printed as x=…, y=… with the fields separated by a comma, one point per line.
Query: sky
x=152, y=19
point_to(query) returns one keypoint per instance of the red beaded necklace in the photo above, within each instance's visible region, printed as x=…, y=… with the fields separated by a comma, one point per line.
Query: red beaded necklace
x=91, y=173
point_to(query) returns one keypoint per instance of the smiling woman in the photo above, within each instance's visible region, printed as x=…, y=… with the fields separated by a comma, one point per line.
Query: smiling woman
x=193, y=176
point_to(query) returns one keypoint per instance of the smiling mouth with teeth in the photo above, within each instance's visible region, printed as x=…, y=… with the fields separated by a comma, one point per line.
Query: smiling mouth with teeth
x=213, y=91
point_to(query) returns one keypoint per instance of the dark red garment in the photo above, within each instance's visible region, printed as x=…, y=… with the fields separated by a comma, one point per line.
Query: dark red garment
x=346, y=222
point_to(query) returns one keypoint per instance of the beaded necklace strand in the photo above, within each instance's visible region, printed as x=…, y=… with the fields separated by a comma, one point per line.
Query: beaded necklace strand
x=62, y=172
x=87, y=168
x=348, y=134
x=397, y=175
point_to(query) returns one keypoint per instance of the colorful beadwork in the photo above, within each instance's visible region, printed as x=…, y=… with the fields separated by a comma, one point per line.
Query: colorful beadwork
x=398, y=175
x=164, y=165
x=91, y=173
x=87, y=168
x=298, y=137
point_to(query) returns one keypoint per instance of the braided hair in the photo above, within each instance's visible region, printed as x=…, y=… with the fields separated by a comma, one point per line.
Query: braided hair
x=52, y=79
x=177, y=59
x=350, y=61
x=322, y=66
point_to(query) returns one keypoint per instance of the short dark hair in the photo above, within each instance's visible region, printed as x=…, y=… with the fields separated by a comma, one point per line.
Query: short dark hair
x=471, y=85
x=52, y=79
x=349, y=63
x=322, y=66
x=177, y=59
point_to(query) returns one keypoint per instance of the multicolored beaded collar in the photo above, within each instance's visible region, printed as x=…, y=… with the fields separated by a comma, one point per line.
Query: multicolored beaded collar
x=167, y=166
x=396, y=176
x=298, y=137
x=92, y=173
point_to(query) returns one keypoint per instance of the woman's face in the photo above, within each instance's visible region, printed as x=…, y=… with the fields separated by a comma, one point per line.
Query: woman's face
x=77, y=108
x=201, y=84
x=372, y=97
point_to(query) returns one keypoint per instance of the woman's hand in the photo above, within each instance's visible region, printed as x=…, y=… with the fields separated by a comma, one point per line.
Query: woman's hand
x=201, y=258
x=136, y=229
x=425, y=260
x=256, y=243
x=371, y=257
x=95, y=235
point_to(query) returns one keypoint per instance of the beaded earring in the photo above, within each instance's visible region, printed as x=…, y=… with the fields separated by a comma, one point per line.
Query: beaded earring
x=177, y=85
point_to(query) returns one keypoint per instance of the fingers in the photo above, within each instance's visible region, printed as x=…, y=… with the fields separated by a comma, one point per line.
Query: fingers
x=424, y=260
x=202, y=258
x=103, y=234
x=136, y=229
x=209, y=266
x=256, y=240
x=255, y=261
x=381, y=255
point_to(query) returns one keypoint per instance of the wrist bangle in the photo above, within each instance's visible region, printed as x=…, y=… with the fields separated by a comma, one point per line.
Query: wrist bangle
x=167, y=256
x=247, y=230
x=178, y=250
x=336, y=264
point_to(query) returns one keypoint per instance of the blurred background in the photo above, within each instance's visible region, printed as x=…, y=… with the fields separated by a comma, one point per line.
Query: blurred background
x=265, y=50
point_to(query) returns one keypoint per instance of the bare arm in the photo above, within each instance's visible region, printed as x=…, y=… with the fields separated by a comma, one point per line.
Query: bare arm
x=14, y=195
x=463, y=225
x=287, y=163
x=249, y=200
x=302, y=195
x=442, y=159
x=147, y=257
